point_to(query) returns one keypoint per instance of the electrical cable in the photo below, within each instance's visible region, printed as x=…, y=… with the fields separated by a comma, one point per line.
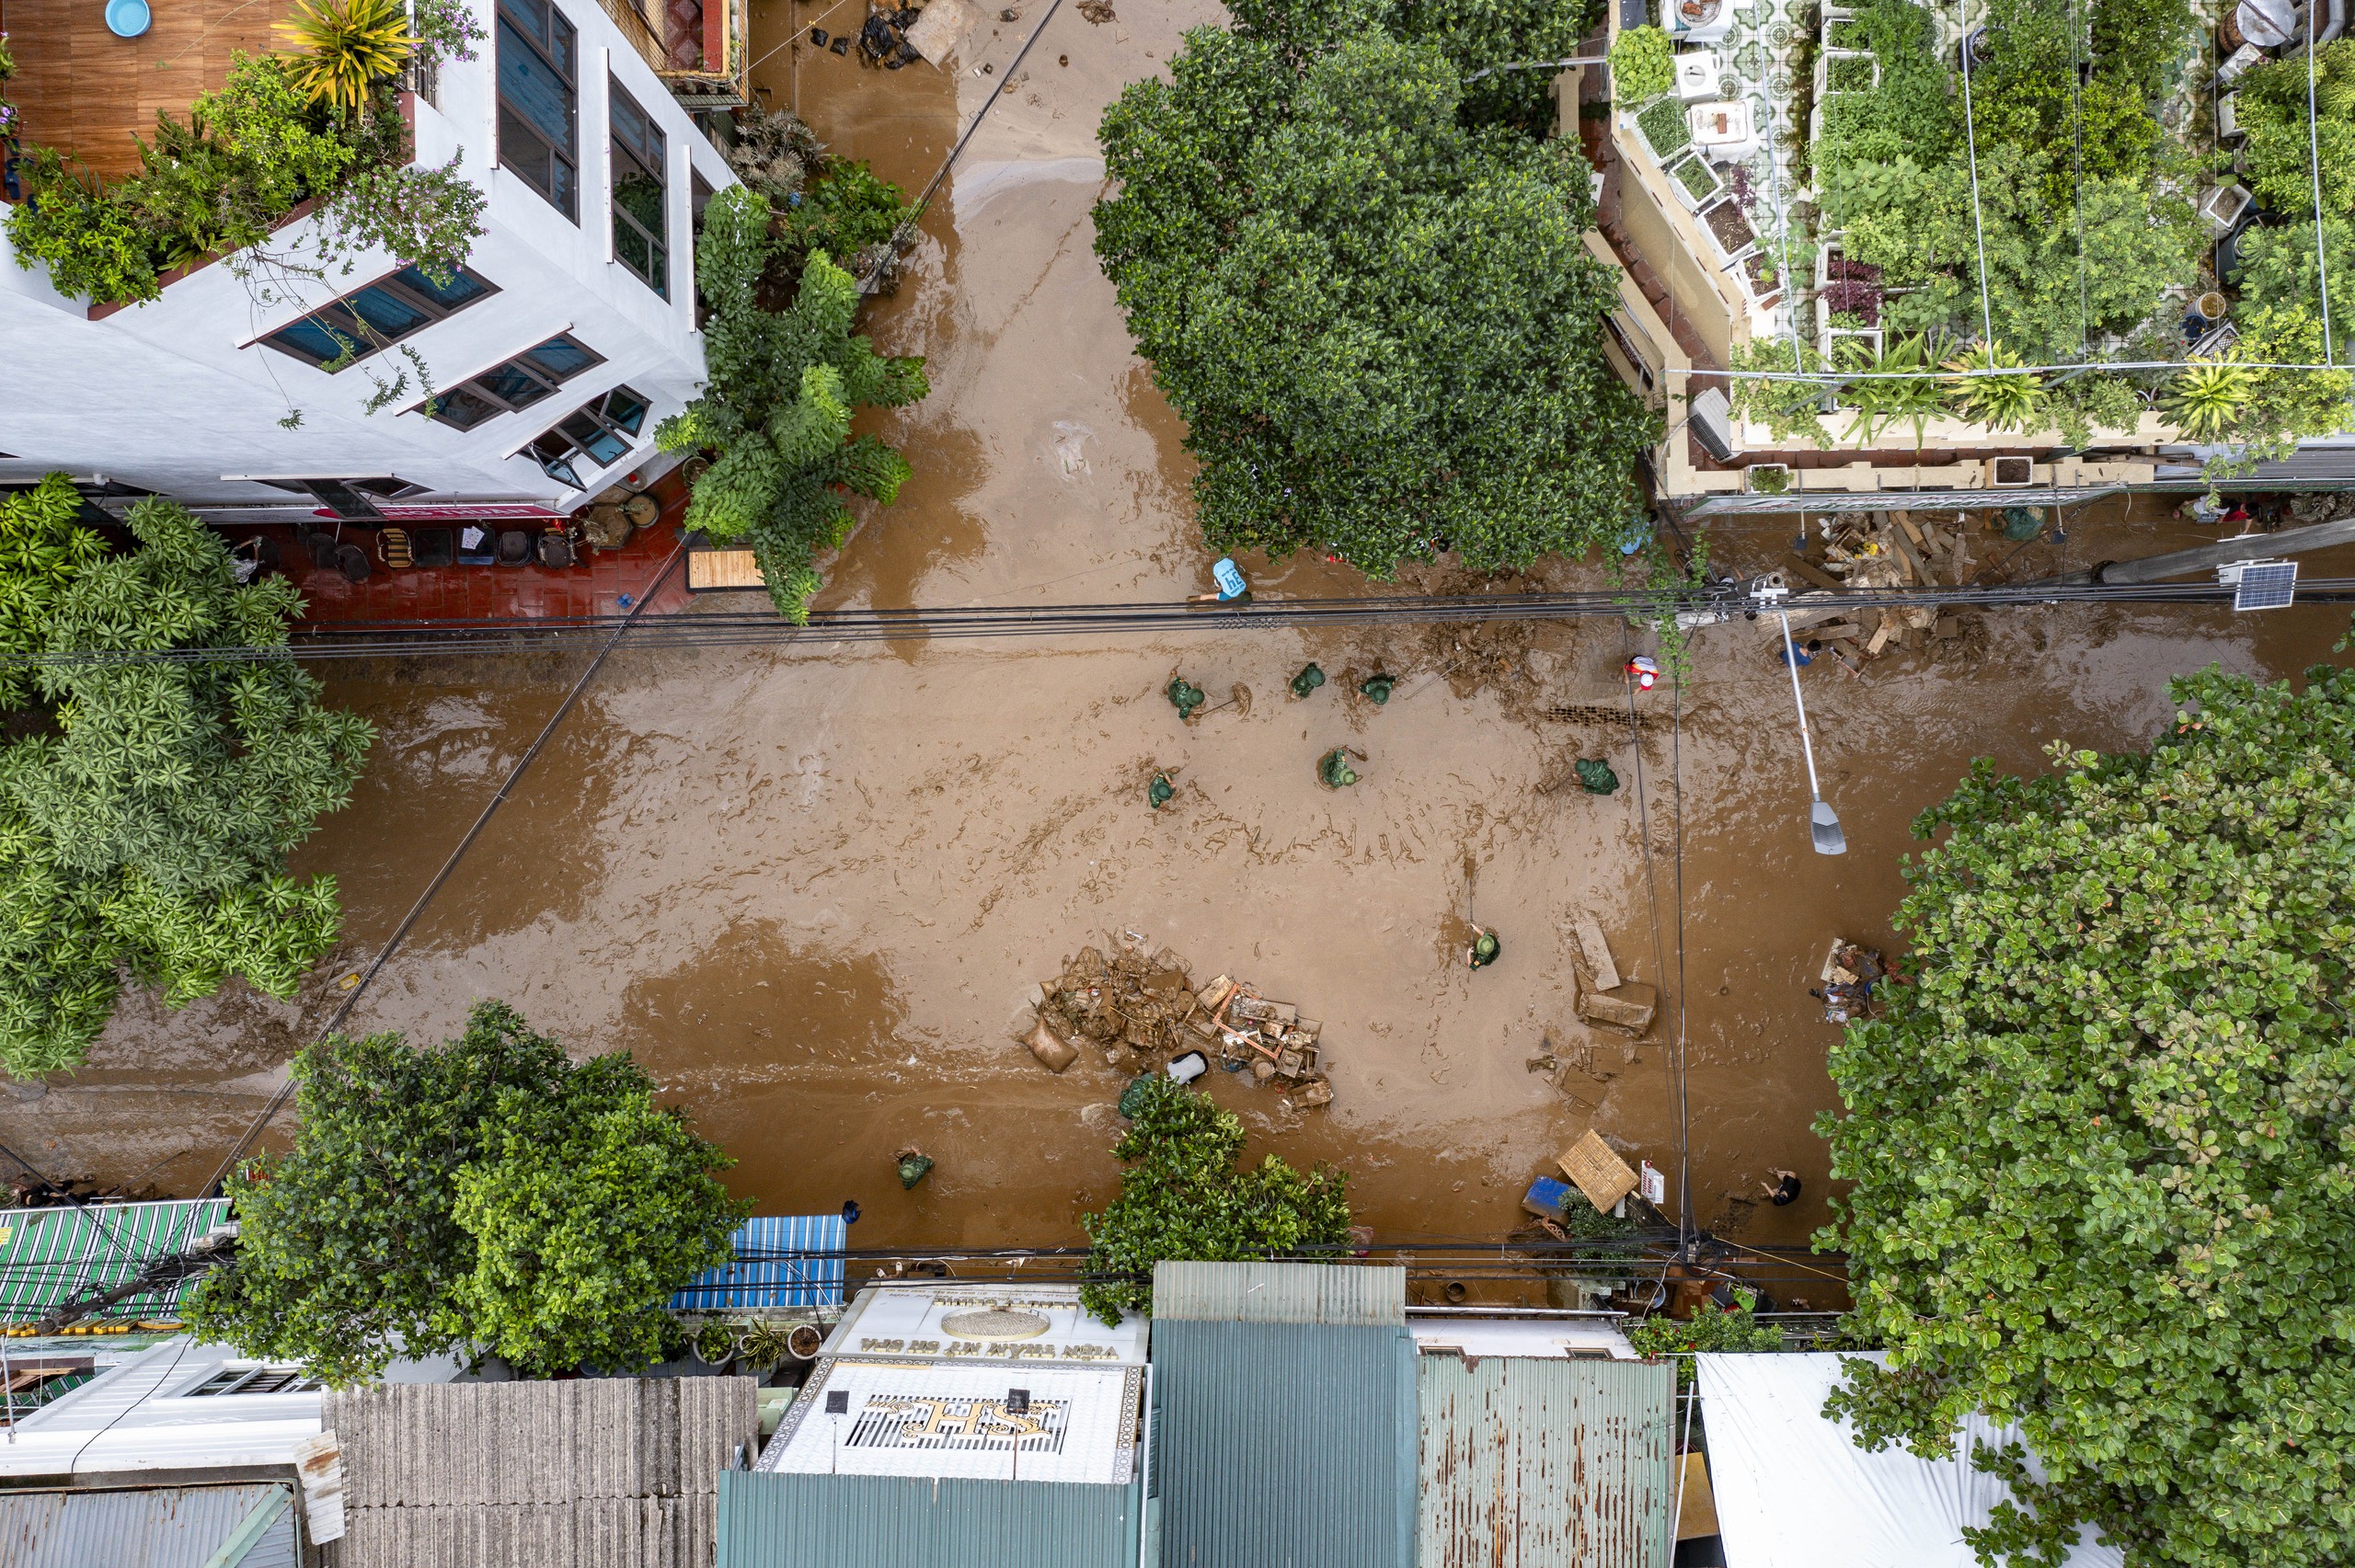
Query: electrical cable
x=441, y=877
x=824, y=630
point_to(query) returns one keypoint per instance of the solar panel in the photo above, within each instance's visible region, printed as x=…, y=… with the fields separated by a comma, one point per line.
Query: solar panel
x=2265, y=585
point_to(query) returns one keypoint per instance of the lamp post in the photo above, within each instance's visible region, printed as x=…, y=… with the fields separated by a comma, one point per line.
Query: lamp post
x=1822, y=822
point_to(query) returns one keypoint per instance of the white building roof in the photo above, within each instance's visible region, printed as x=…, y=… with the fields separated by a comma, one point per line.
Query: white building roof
x=952, y=1419
x=1546, y=1337
x=144, y=1413
x=1008, y=1323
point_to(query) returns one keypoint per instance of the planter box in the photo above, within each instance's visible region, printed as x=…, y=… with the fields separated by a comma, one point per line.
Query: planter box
x=1767, y=479
x=1661, y=125
x=1695, y=182
x=2224, y=206
x=1845, y=71
x=1729, y=226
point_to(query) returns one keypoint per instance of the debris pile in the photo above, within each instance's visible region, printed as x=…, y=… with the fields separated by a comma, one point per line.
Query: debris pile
x=1883, y=549
x=1850, y=972
x=1140, y=1006
x=1605, y=996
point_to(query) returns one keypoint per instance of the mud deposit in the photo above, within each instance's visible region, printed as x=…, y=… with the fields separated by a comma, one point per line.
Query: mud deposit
x=810, y=888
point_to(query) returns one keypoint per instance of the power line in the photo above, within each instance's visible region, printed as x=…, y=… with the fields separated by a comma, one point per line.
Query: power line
x=762, y=628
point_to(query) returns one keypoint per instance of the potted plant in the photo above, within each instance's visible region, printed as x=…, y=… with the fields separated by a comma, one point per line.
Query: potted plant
x=715, y=1344
x=1766, y=479
x=766, y=1344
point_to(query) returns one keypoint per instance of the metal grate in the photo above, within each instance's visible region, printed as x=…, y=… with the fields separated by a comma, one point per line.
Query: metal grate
x=2265, y=585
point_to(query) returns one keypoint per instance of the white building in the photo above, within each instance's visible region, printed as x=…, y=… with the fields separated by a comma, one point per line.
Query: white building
x=178, y=1406
x=570, y=334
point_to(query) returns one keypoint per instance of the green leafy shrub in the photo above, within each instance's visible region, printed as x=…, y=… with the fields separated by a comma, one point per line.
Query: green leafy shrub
x=484, y=1195
x=342, y=49
x=1373, y=350
x=1980, y=390
x=2285, y=406
x=1711, y=1328
x=2207, y=398
x=778, y=403
x=1849, y=74
x=2271, y=107
x=1791, y=410
x=223, y=181
x=2277, y=266
x=145, y=825
x=1642, y=65
x=2098, y=1146
x=1183, y=1198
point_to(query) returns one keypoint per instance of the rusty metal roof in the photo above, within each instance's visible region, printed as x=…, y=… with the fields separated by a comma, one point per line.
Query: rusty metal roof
x=1534, y=1462
x=151, y=1527
x=1279, y=1293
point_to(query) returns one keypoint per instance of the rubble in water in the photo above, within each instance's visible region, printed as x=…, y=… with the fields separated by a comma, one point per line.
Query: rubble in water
x=1141, y=1008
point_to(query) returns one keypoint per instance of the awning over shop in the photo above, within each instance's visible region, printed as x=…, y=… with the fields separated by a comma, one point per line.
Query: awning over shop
x=1793, y=1491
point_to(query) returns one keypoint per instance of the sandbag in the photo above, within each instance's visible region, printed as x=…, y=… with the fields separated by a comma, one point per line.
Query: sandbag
x=1054, y=1052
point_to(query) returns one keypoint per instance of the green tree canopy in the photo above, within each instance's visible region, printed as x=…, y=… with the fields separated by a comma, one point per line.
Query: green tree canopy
x=146, y=819
x=781, y=387
x=1381, y=326
x=1183, y=1198
x=2101, y=1144
x=487, y=1193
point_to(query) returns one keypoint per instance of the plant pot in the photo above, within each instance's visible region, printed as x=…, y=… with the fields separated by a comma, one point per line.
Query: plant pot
x=1767, y=479
x=2211, y=306
x=2224, y=206
x=806, y=1341
x=713, y=1345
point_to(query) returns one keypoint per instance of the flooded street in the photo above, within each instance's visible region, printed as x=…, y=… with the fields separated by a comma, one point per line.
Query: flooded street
x=810, y=888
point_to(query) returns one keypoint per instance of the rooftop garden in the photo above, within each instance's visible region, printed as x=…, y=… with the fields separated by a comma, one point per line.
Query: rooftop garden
x=318, y=125
x=2038, y=254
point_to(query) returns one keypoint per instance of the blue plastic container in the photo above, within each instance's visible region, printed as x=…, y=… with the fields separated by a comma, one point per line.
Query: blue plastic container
x=1545, y=1198
x=1229, y=577
x=128, y=18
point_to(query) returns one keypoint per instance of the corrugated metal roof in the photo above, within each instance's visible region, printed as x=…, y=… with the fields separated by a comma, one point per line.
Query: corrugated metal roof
x=873, y=1521
x=1284, y=1445
x=52, y=1256
x=1545, y=1463
x=782, y=1260
x=598, y=1472
x=1279, y=1293
x=157, y=1527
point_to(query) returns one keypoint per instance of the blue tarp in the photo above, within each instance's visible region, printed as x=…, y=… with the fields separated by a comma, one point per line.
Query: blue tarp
x=782, y=1260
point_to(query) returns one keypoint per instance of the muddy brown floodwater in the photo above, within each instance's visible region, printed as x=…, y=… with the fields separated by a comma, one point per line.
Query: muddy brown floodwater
x=810, y=886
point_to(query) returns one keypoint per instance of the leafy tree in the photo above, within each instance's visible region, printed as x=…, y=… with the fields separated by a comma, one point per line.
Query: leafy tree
x=2100, y=1145
x=1182, y=1197
x=1474, y=34
x=2271, y=107
x=487, y=1195
x=2285, y=406
x=1380, y=326
x=777, y=404
x=146, y=821
x=2277, y=266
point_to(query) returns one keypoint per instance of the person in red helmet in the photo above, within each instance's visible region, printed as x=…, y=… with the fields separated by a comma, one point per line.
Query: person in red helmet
x=1643, y=670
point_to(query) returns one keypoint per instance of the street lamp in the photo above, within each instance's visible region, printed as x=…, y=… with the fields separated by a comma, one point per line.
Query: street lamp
x=1822, y=820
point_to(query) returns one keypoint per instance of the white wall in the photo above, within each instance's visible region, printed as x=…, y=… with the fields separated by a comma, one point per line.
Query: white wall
x=174, y=395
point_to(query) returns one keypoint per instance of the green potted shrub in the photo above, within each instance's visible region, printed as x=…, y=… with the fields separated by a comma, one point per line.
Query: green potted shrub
x=1642, y=65
x=715, y=1343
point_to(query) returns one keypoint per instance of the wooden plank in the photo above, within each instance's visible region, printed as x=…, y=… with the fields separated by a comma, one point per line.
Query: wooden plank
x=709, y=569
x=1911, y=558
x=1596, y=1169
x=1595, y=950
x=1881, y=636
x=1820, y=578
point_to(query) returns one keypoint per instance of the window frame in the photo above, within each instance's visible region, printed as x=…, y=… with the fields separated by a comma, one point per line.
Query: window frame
x=363, y=340
x=437, y=407
x=233, y=1380
x=543, y=449
x=653, y=157
x=553, y=29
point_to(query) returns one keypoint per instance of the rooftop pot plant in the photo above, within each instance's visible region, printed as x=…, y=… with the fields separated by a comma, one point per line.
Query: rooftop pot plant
x=342, y=48
x=1642, y=65
x=1983, y=392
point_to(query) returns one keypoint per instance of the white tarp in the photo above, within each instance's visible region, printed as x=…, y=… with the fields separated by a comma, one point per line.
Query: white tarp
x=1793, y=1491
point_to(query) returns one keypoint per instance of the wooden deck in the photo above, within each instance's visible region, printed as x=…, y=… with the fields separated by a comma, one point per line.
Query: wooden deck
x=83, y=90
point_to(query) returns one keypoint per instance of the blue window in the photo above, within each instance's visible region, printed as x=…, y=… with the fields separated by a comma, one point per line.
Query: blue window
x=539, y=101
x=376, y=318
x=518, y=384
x=597, y=436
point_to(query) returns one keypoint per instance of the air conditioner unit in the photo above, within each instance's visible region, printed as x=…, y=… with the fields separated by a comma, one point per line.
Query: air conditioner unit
x=1712, y=421
x=2010, y=473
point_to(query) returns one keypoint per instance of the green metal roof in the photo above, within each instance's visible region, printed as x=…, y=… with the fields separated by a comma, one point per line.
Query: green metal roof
x=52, y=1256
x=1532, y=1462
x=1279, y=1293
x=1284, y=1445
x=770, y=1519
